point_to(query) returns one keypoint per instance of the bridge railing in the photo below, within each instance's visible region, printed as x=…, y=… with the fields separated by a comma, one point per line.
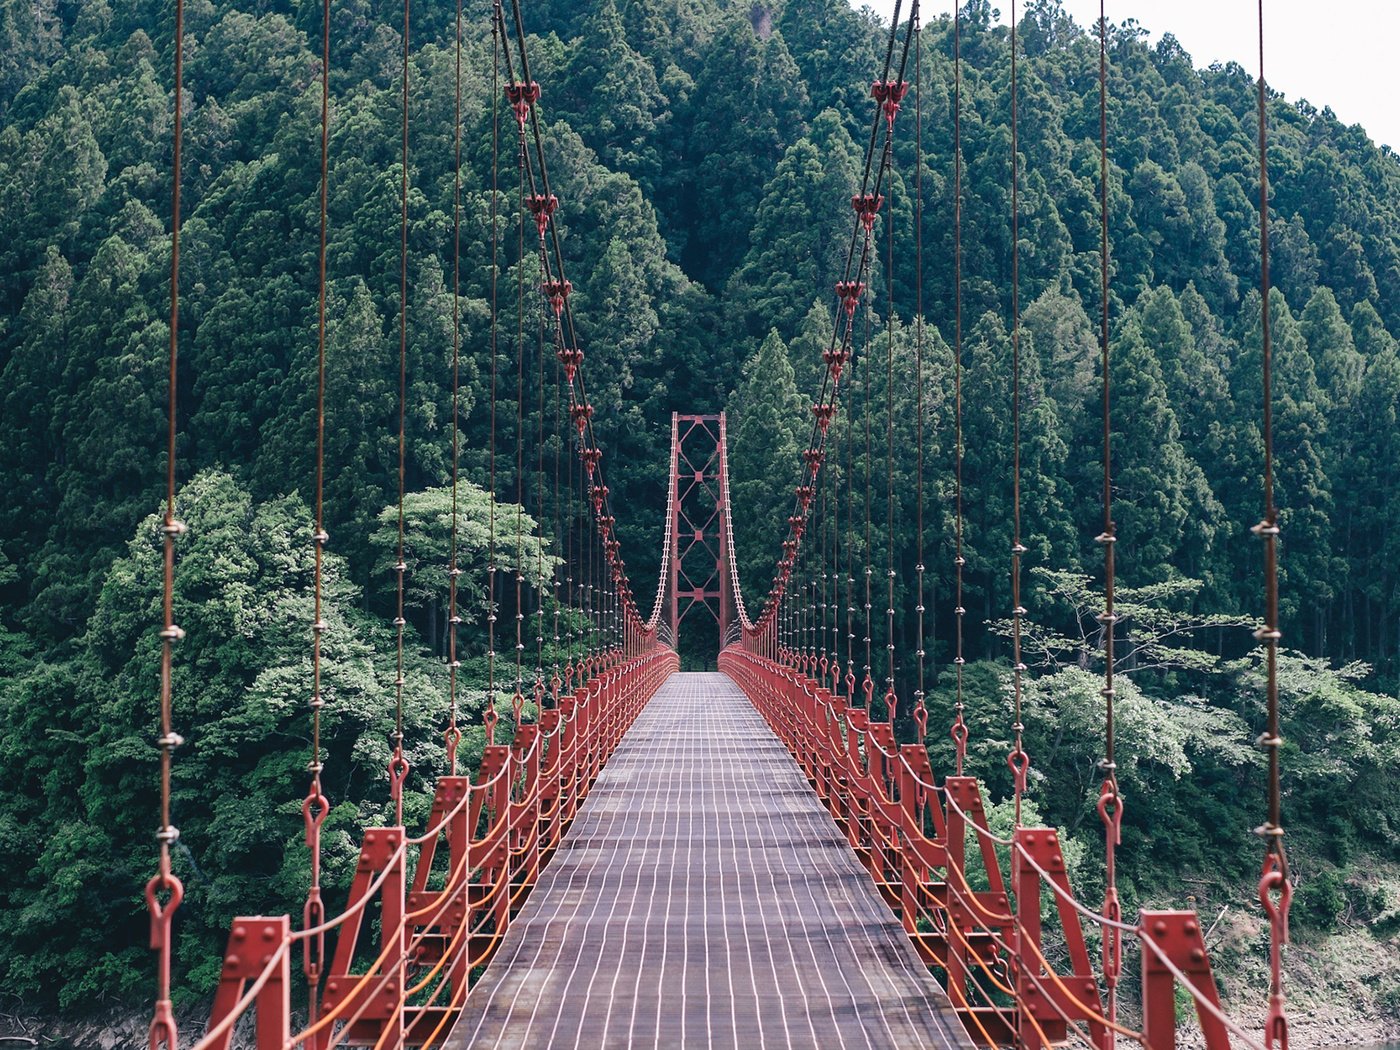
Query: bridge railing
x=996, y=916
x=443, y=899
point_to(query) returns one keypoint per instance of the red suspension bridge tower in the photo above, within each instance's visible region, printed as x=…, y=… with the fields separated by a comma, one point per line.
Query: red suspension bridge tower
x=699, y=570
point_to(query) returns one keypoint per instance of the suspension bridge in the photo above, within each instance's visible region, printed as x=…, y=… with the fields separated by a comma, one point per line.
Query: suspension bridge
x=748, y=857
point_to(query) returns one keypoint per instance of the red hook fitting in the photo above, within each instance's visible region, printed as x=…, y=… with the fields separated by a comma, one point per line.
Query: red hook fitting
x=557, y=291
x=570, y=357
x=542, y=208
x=825, y=414
x=521, y=97
x=889, y=93
x=849, y=292
x=867, y=206
x=582, y=412
x=836, y=361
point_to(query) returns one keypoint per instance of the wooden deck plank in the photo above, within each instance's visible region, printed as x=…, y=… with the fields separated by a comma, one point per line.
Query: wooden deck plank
x=703, y=897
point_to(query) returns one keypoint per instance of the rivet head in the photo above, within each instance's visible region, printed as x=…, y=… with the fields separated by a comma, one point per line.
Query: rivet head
x=232, y=962
x=240, y=932
x=269, y=934
x=1159, y=928
x=1197, y=955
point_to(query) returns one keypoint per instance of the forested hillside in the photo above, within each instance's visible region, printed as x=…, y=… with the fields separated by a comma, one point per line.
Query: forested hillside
x=705, y=153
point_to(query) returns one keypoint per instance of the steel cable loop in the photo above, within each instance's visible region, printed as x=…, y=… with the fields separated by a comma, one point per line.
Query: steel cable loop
x=164, y=891
x=539, y=588
x=920, y=711
x=398, y=764
x=1110, y=802
x=453, y=735
x=1275, y=887
x=1018, y=761
x=315, y=806
x=488, y=715
x=866, y=685
x=889, y=698
x=517, y=700
x=958, y=732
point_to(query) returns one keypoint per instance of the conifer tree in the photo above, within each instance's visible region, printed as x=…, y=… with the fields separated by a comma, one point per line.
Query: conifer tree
x=767, y=429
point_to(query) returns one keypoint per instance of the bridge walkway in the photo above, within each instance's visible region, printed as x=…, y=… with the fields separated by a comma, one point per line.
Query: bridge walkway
x=704, y=898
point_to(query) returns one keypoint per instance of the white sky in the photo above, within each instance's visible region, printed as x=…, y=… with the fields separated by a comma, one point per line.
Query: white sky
x=1339, y=54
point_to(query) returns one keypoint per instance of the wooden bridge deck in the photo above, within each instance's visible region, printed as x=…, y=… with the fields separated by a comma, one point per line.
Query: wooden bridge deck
x=703, y=897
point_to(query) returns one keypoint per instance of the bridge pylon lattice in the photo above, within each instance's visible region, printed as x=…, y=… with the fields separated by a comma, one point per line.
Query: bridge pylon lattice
x=699, y=566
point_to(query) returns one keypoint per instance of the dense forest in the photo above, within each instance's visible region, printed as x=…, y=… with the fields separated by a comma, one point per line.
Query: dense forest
x=705, y=153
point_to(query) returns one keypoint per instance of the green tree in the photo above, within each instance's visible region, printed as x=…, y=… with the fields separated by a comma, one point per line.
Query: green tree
x=769, y=427
x=801, y=231
x=753, y=98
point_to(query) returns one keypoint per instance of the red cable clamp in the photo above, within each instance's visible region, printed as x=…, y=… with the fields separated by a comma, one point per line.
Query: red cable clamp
x=804, y=496
x=582, y=412
x=590, y=457
x=570, y=357
x=521, y=97
x=813, y=458
x=824, y=413
x=605, y=524
x=542, y=208
x=836, y=361
x=867, y=206
x=889, y=93
x=849, y=292
x=600, y=493
x=557, y=291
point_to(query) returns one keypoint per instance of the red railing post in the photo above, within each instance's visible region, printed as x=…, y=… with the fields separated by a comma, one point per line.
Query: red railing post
x=1025, y=881
x=253, y=941
x=1178, y=939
